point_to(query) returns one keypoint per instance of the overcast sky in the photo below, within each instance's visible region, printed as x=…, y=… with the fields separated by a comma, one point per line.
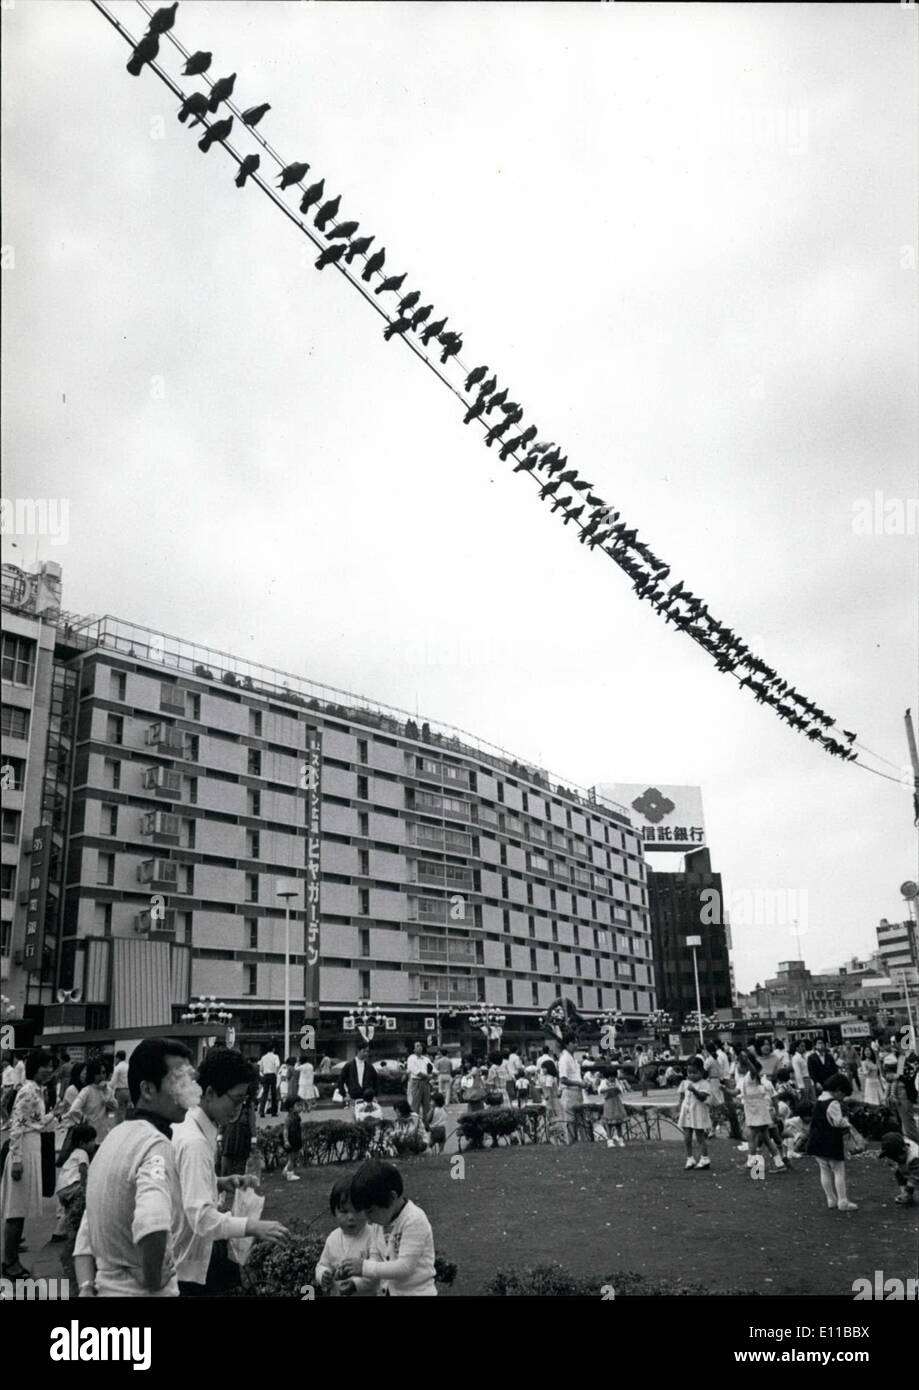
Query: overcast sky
x=685, y=239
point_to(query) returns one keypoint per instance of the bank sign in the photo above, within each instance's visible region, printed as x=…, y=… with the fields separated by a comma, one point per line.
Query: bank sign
x=666, y=817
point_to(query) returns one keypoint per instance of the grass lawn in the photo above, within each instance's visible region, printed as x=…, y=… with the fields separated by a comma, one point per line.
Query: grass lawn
x=598, y=1210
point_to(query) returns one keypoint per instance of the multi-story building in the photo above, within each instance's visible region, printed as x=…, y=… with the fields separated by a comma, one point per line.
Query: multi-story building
x=679, y=910
x=31, y=608
x=451, y=874
x=898, y=947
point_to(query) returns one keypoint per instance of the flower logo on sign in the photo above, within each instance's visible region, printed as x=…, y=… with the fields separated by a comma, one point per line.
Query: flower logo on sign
x=653, y=805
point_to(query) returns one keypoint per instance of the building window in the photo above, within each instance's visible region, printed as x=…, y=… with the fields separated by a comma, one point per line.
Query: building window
x=7, y=881
x=504, y=856
x=531, y=923
x=191, y=748
x=15, y=722
x=364, y=983
x=251, y=888
x=18, y=659
x=194, y=708
x=187, y=840
x=364, y=936
x=105, y=869
x=255, y=803
x=254, y=766
x=506, y=918
x=363, y=825
x=533, y=958
x=363, y=793
x=252, y=933
x=555, y=931
x=255, y=722
x=112, y=768
x=250, y=977
x=534, y=992
x=104, y=918
x=109, y=820
x=508, y=959
x=187, y=884
x=10, y=834
x=253, y=844
x=118, y=686
x=580, y=997
x=14, y=768
x=365, y=902
x=364, y=862
x=114, y=729
x=556, y=962
x=509, y=991
x=362, y=751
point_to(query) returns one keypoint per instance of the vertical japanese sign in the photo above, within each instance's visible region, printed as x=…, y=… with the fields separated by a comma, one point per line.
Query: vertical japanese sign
x=313, y=782
x=39, y=864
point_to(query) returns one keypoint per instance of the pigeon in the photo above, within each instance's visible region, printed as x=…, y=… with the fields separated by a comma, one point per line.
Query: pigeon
x=599, y=539
x=221, y=89
x=247, y=167
x=421, y=315
x=392, y=282
x=327, y=212
x=568, y=477
x=525, y=465
x=397, y=326
x=579, y=485
x=520, y=442
x=510, y=407
x=162, y=21
x=451, y=348
x=312, y=195
x=293, y=173
x=197, y=63
x=475, y=375
x=549, y=490
x=145, y=52
x=488, y=386
x=499, y=399
x=409, y=301
x=344, y=230
x=359, y=247
x=474, y=411
x=433, y=330
x=496, y=432
x=329, y=256
x=848, y=735
x=515, y=416
x=574, y=515
x=218, y=131
x=560, y=502
x=255, y=114
x=194, y=105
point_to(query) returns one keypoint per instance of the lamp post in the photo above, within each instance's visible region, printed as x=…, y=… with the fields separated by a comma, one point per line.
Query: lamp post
x=366, y=1018
x=286, y=888
x=659, y=1021
x=489, y=1019
x=207, y=1008
x=695, y=942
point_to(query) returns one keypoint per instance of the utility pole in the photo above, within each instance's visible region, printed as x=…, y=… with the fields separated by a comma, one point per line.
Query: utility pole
x=914, y=759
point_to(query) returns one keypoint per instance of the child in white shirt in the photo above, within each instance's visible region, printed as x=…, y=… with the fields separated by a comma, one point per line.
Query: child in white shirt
x=354, y=1239
x=367, y=1108
x=407, y=1267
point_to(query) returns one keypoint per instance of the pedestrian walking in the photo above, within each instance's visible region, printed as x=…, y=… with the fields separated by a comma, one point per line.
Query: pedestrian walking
x=268, y=1068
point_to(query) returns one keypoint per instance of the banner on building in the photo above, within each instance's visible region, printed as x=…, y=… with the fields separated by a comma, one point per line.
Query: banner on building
x=666, y=817
x=39, y=866
x=313, y=784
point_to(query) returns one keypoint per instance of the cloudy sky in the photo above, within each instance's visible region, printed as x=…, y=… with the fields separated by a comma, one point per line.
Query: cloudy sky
x=684, y=237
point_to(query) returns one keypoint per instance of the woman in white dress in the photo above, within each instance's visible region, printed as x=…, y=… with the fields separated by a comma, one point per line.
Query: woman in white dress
x=21, y=1186
x=306, y=1086
x=873, y=1088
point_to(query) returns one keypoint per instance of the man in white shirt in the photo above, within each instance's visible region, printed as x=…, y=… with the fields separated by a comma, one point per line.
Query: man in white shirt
x=224, y=1077
x=125, y=1246
x=119, y=1084
x=571, y=1086
x=514, y=1067
x=420, y=1068
x=268, y=1068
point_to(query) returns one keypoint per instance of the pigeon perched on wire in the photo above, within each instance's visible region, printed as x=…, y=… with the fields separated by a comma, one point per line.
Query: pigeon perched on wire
x=312, y=195
x=574, y=515
x=221, y=89
x=197, y=63
x=247, y=167
x=397, y=326
x=344, y=231
x=422, y=315
x=488, y=387
x=560, y=503
x=519, y=442
x=509, y=407
x=145, y=52
x=496, y=432
x=218, y=131
x=526, y=465
x=193, y=105
x=499, y=399
x=452, y=345
x=255, y=114
x=390, y=284
x=433, y=330
x=162, y=21
x=475, y=375
x=474, y=411
x=327, y=212
x=549, y=490
x=329, y=256
x=292, y=173
x=359, y=247
x=515, y=416
x=409, y=301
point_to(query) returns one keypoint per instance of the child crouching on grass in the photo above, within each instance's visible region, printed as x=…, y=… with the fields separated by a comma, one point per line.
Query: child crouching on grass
x=406, y=1269
x=695, y=1099
x=902, y=1155
x=354, y=1239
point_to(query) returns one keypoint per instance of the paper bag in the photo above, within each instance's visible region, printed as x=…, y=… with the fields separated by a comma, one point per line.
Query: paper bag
x=246, y=1202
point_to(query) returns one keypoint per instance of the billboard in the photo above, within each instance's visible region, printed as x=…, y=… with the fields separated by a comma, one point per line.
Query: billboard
x=39, y=865
x=666, y=817
x=313, y=786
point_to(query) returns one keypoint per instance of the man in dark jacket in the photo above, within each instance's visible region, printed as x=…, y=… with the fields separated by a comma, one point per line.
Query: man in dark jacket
x=358, y=1076
x=820, y=1065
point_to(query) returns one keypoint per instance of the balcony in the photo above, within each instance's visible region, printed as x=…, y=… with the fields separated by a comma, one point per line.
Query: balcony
x=166, y=740
x=161, y=826
x=443, y=950
x=484, y=815
x=163, y=781
x=172, y=699
x=428, y=910
x=161, y=926
x=158, y=873
x=456, y=776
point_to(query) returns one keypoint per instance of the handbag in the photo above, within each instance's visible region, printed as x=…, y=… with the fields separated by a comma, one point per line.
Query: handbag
x=853, y=1143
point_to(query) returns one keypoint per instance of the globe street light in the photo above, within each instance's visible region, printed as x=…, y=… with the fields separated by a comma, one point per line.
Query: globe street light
x=659, y=1021
x=489, y=1019
x=367, y=1018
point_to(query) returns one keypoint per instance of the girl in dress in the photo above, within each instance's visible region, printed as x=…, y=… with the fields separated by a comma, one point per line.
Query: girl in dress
x=551, y=1094
x=21, y=1185
x=694, y=1118
x=757, y=1094
x=872, y=1085
x=826, y=1142
x=307, y=1089
x=613, y=1109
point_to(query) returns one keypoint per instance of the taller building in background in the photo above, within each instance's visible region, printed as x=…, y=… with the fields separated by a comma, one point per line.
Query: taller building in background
x=690, y=904
x=449, y=874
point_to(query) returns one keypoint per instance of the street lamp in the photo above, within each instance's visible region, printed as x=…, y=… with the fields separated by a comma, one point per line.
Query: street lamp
x=659, y=1021
x=489, y=1019
x=610, y=1021
x=366, y=1018
x=287, y=888
x=694, y=942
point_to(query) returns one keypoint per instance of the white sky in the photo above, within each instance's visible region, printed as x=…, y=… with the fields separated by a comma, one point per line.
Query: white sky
x=677, y=234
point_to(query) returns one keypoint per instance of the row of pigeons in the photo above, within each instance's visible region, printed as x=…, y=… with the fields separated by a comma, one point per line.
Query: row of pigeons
x=599, y=523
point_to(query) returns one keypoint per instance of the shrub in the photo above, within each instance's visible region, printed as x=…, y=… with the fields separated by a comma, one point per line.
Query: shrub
x=280, y=1271
x=872, y=1121
x=494, y=1124
x=406, y=1145
x=554, y=1281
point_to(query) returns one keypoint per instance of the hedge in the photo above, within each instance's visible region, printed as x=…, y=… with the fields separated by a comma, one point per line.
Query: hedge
x=553, y=1280
x=286, y=1271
